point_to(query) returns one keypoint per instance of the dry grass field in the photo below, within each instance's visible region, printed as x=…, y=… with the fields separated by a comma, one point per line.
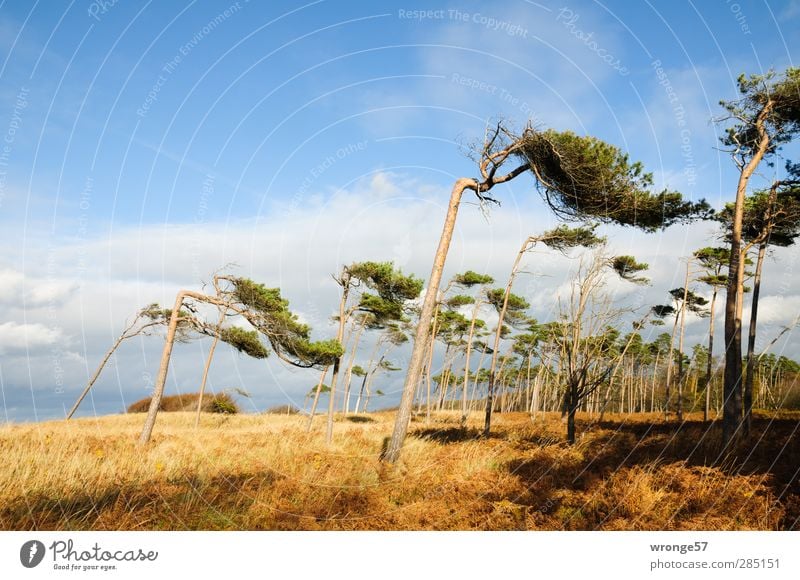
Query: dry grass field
x=249, y=472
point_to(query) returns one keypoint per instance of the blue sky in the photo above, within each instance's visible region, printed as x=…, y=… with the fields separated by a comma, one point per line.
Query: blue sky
x=151, y=143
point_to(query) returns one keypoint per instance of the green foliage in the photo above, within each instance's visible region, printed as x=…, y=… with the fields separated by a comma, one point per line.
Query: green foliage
x=269, y=314
x=775, y=221
x=470, y=278
x=515, y=310
x=663, y=310
x=627, y=267
x=694, y=302
x=586, y=178
x=224, y=405
x=771, y=97
x=563, y=238
x=459, y=300
x=246, y=341
x=358, y=371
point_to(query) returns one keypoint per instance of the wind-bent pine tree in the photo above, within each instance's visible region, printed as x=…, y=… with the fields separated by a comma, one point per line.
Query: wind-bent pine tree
x=764, y=117
x=578, y=177
x=265, y=310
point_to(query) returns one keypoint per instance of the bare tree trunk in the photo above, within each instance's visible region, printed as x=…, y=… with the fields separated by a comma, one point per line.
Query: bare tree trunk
x=222, y=313
x=751, y=342
x=489, y=397
x=349, y=374
x=96, y=374
x=670, y=357
x=464, y=409
x=366, y=372
x=680, y=343
x=710, y=362
x=161, y=379
x=428, y=379
x=316, y=398
x=337, y=362
x=423, y=325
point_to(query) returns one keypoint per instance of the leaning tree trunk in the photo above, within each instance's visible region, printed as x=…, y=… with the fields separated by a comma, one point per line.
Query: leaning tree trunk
x=207, y=367
x=423, y=325
x=709, y=363
x=316, y=399
x=161, y=378
x=751, y=342
x=490, y=395
x=96, y=375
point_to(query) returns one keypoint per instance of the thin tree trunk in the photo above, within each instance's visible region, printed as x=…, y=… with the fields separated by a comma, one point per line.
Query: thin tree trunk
x=207, y=366
x=423, y=326
x=366, y=372
x=670, y=358
x=161, y=378
x=96, y=375
x=337, y=362
x=710, y=362
x=751, y=342
x=464, y=409
x=316, y=398
x=349, y=374
x=489, y=397
x=680, y=343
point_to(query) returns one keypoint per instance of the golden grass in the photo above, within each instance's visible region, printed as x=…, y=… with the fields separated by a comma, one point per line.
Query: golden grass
x=265, y=472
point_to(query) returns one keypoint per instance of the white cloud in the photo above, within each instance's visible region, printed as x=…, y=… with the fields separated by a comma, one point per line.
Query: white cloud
x=15, y=337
